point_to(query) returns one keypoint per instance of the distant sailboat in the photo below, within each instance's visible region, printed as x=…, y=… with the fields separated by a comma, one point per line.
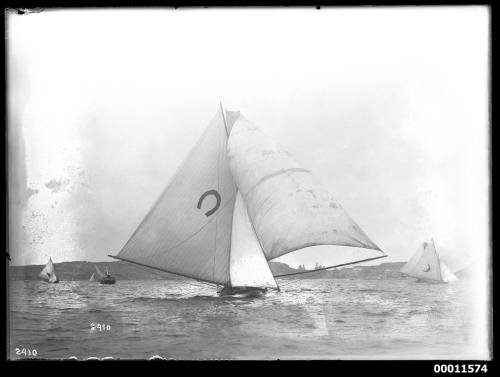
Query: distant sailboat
x=92, y=278
x=105, y=278
x=48, y=273
x=425, y=265
x=100, y=274
x=235, y=203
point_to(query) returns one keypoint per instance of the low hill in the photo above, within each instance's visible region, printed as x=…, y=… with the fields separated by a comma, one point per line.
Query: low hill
x=81, y=270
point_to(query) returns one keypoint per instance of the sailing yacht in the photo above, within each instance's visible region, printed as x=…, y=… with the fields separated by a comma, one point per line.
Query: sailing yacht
x=48, y=273
x=108, y=279
x=92, y=277
x=425, y=265
x=105, y=278
x=236, y=202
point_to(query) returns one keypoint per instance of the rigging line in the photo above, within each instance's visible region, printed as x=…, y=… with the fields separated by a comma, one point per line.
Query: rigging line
x=158, y=273
x=161, y=269
x=218, y=190
x=327, y=268
x=235, y=192
x=287, y=282
x=224, y=117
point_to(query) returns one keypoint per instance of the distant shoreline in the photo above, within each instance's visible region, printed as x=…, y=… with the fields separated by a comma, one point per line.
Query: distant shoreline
x=82, y=270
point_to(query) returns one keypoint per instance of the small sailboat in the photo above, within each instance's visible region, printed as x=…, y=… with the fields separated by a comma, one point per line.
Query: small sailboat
x=92, y=277
x=235, y=203
x=425, y=265
x=48, y=273
x=105, y=278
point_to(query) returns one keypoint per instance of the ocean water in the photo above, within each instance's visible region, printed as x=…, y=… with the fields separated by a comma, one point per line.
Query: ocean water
x=308, y=319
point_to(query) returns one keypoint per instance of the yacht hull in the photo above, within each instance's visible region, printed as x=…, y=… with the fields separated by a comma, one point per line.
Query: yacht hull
x=242, y=292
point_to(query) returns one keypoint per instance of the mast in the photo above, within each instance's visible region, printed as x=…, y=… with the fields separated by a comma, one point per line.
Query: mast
x=235, y=188
x=224, y=117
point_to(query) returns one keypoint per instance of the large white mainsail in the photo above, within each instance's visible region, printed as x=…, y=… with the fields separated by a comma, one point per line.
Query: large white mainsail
x=426, y=265
x=188, y=230
x=288, y=210
x=49, y=272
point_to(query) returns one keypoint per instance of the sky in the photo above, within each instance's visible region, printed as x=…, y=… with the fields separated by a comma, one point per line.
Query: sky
x=388, y=107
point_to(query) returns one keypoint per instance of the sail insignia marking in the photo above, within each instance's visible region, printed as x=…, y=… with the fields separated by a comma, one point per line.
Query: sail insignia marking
x=217, y=205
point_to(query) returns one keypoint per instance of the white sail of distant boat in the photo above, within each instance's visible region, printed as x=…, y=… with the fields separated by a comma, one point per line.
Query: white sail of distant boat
x=234, y=203
x=426, y=265
x=92, y=278
x=99, y=272
x=48, y=273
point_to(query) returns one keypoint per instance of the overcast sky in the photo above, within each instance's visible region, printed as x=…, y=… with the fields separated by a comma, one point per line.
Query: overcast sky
x=387, y=107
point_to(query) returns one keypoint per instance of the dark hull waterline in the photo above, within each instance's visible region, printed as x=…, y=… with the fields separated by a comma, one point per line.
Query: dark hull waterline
x=107, y=280
x=243, y=292
x=50, y=282
x=430, y=281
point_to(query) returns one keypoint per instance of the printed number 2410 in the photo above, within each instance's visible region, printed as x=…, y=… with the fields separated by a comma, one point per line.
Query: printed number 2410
x=25, y=352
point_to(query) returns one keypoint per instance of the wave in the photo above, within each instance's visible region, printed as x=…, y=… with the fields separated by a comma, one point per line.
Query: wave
x=384, y=313
x=96, y=310
x=170, y=298
x=415, y=311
